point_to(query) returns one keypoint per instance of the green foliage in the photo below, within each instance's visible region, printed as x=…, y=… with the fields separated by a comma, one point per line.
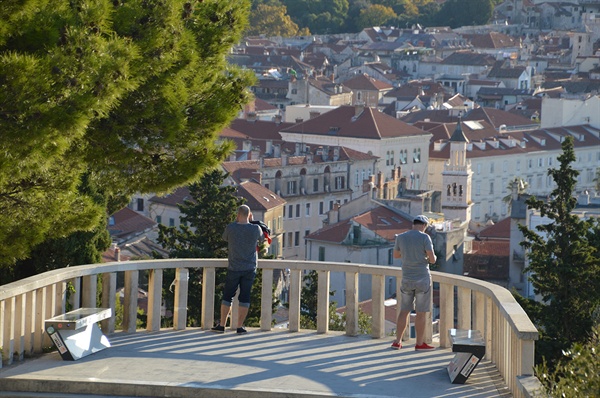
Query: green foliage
x=320, y=17
x=272, y=20
x=577, y=374
x=457, y=13
x=375, y=15
x=129, y=93
x=564, y=265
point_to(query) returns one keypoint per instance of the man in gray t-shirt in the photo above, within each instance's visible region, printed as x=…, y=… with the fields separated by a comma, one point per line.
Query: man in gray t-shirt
x=416, y=250
x=242, y=238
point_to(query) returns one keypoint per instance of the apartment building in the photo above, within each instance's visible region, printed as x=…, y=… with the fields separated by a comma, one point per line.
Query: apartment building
x=311, y=179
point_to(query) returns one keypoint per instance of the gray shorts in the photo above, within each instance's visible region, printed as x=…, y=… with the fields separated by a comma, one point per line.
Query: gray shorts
x=416, y=295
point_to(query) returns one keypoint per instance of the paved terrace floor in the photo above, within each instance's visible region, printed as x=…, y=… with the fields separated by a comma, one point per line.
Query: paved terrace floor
x=197, y=363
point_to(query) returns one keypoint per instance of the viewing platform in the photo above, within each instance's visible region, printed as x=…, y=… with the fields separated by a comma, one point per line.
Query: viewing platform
x=266, y=362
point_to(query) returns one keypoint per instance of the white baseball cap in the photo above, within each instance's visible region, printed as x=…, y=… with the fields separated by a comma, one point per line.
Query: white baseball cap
x=422, y=219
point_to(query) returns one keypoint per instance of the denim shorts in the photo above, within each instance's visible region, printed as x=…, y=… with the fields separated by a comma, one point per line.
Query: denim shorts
x=416, y=295
x=244, y=280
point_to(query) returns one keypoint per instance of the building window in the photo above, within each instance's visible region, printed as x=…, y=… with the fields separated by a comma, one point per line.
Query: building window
x=316, y=185
x=284, y=241
x=159, y=219
x=308, y=210
x=491, y=188
x=417, y=155
x=297, y=238
x=321, y=208
x=307, y=232
x=518, y=165
x=339, y=182
x=279, y=221
x=356, y=180
x=540, y=162
x=171, y=222
x=390, y=258
x=330, y=204
x=290, y=238
x=392, y=158
x=291, y=187
x=356, y=235
x=387, y=158
x=478, y=168
x=530, y=163
x=321, y=253
x=403, y=156
x=290, y=211
x=140, y=204
x=298, y=210
x=492, y=167
x=477, y=188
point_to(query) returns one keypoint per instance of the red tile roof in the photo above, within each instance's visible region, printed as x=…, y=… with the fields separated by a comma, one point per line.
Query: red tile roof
x=381, y=220
x=127, y=222
x=343, y=122
x=258, y=198
x=366, y=82
x=500, y=230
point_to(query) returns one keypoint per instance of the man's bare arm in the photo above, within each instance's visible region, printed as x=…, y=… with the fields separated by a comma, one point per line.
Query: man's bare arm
x=431, y=257
x=397, y=254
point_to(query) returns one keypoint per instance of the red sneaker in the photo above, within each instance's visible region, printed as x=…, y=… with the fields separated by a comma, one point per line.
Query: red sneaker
x=396, y=346
x=424, y=347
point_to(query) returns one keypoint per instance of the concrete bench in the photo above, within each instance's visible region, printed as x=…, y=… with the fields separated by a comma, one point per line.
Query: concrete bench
x=76, y=334
x=469, y=347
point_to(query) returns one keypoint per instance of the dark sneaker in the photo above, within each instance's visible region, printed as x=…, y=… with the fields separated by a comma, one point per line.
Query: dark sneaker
x=218, y=329
x=241, y=330
x=424, y=347
x=396, y=346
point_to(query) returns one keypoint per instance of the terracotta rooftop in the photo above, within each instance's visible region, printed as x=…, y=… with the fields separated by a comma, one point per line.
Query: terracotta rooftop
x=126, y=223
x=258, y=198
x=366, y=82
x=382, y=221
x=500, y=230
x=343, y=122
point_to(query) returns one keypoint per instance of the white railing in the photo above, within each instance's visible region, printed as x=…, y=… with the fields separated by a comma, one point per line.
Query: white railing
x=25, y=304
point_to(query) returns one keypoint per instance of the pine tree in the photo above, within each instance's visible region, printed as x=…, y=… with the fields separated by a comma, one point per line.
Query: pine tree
x=130, y=92
x=564, y=262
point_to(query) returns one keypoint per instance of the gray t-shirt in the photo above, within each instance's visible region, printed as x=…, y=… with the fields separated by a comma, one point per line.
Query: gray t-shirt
x=413, y=246
x=241, y=243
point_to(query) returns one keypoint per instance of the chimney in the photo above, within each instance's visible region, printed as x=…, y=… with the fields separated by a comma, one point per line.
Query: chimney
x=117, y=254
x=251, y=117
x=257, y=176
x=277, y=119
x=276, y=150
x=255, y=153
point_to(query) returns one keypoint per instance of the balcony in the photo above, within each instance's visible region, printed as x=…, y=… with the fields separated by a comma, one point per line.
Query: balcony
x=291, y=362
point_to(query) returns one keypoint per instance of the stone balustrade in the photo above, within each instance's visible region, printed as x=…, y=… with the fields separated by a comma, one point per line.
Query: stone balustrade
x=24, y=305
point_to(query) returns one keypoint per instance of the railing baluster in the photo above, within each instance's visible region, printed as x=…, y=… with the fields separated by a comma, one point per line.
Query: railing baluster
x=352, y=303
x=378, y=307
x=75, y=298
x=29, y=322
x=20, y=315
x=489, y=309
x=181, y=293
x=323, y=301
x=109, y=300
x=294, y=312
x=40, y=316
x=464, y=308
x=7, y=317
x=266, y=302
x=130, y=299
x=478, y=320
x=446, y=313
x=207, y=318
x=155, y=280
x=89, y=287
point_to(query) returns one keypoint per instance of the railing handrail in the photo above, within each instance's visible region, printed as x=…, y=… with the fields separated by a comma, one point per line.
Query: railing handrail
x=508, y=331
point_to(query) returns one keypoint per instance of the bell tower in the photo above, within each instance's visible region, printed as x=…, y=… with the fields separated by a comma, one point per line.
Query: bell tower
x=456, y=179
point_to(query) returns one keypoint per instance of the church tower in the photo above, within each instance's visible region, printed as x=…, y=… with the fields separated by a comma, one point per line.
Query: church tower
x=456, y=179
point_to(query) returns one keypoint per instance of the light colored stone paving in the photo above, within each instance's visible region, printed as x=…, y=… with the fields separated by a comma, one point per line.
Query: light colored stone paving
x=193, y=363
